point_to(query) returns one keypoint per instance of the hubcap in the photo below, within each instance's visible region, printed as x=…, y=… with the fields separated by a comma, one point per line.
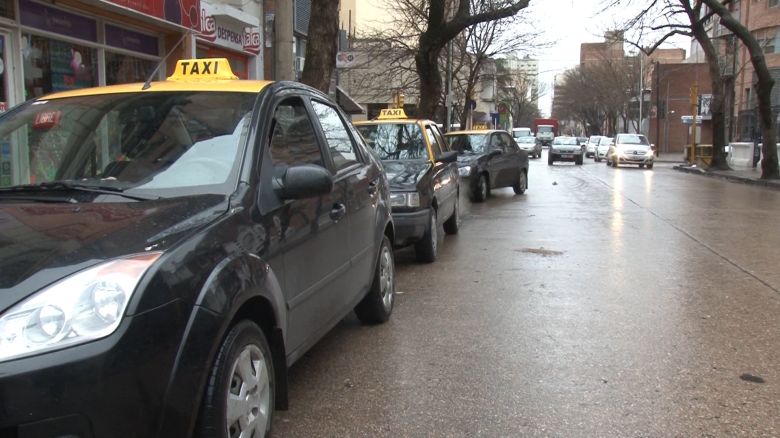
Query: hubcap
x=249, y=395
x=386, y=277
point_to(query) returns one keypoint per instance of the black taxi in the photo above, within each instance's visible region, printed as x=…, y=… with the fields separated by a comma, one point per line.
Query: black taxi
x=423, y=176
x=170, y=248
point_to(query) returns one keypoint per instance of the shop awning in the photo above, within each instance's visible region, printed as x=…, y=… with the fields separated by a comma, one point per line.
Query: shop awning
x=347, y=103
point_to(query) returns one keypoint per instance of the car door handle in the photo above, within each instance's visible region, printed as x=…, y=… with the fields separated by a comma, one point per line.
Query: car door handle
x=338, y=212
x=372, y=187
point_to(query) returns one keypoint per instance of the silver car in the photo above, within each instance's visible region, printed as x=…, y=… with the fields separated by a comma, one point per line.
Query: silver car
x=566, y=149
x=631, y=149
x=530, y=145
x=602, y=148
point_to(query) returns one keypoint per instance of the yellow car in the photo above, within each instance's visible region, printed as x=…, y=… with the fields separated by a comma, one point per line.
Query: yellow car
x=170, y=248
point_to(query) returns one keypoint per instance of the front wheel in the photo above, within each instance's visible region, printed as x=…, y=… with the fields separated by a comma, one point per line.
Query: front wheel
x=239, y=399
x=481, y=190
x=522, y=183
x=578, y=161
x=650, y=166
x=596, y=158
x=427, y=248
x=377, y=305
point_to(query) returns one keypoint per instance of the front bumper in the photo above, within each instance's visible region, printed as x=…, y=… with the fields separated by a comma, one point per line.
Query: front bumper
x=635, y=159
x=409, y=226
x=601, y=153
x=111, y=387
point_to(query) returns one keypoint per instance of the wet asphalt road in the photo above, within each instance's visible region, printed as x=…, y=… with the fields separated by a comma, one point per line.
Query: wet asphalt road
x=603, y=302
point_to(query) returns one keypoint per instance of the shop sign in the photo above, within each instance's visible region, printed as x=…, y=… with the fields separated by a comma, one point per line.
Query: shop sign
x=346, y=59
x=228, y=33
x=181, y=12
x=58, y=21
x=130, y=40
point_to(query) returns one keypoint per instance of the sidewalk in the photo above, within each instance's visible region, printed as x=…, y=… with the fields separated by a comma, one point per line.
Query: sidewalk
x=742, y=175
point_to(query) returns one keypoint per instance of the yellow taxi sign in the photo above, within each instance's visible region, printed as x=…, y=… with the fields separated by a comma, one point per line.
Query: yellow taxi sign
x=479, y=126
x=202, y=69
x=392, y=113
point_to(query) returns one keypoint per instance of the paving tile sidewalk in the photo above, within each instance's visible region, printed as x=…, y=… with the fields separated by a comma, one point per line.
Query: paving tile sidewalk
x=741, y=175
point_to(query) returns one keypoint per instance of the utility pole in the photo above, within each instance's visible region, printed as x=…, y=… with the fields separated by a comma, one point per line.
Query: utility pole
x=694, y=111
x=284, y=42
x=448, y=86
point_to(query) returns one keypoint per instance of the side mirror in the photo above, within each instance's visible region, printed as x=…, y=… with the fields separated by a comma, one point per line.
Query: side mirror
x=303, y=181
x=447, y=157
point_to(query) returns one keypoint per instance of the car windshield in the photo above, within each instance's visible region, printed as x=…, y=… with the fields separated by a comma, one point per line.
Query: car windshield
x=632, y=139
x=165, y=143
x=395, y=141
x=468, y=143
x=545, y=129
x=605, y=141
x=565, y=140
x=526, y=140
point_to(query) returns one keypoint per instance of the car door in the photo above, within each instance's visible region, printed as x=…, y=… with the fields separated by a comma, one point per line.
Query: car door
x=360, y=180
x=499, y=163
x=517, y=159
x=310, y=232
x=445, y=175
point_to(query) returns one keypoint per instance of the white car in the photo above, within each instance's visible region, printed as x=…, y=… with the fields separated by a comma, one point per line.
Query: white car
x=631, y=149
x=590, y=147
x=602, y=148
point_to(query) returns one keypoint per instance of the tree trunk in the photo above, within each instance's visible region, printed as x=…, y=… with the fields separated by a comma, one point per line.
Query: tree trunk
x=718, y=91
x=769, y=165
x=322, y=44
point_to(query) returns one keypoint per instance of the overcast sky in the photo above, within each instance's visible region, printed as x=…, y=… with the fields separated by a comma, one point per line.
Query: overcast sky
x=565, y=24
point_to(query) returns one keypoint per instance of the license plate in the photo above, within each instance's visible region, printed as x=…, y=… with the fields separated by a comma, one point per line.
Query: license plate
x=567, y=156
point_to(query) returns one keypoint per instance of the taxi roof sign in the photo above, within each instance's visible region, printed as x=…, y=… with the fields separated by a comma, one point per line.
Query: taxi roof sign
x=391, y=113
x=202, y=69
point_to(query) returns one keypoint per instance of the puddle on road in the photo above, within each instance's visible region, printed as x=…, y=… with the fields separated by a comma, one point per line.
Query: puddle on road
x=542, y=251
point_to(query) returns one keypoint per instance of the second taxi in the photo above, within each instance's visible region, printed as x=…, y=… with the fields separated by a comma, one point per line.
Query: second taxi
x=423, y=174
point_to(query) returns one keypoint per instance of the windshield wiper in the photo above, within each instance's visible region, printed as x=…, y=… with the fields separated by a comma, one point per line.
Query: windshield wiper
x=80, y=187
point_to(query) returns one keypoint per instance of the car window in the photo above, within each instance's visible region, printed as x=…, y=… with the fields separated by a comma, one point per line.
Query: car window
x=440, y=138
x=508, y=144
x=433, y=140
x=342, y=149
x=497, y=142
x=395, y=141
x=292, y=137
x=632, y=139
x=468, y=143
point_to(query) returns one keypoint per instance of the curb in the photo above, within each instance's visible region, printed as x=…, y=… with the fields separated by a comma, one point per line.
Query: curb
x=772, y=184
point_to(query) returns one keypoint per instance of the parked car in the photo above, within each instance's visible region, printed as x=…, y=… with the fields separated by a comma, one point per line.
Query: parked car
x=172, y=247
x=423, y=174
x=590, y=147
x=566, y=149
x=489, y=159
x=602, y=148
x=631, y=149
x=530, y=145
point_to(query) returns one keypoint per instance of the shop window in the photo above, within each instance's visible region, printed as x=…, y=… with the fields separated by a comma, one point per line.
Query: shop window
x=7, y=9
x=52, y=65
x=123, y=69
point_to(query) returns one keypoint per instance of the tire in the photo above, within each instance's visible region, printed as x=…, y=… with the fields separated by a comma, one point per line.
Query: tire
x=244, y=365
x=615, y=163
x=596, y=158
x=641, y=166
x=522, y=183
x=427, y=249
x=452, y=225
x=377, y=305
x=578, y=161
x=650, y=166
x=549, y=159
x=482, y=190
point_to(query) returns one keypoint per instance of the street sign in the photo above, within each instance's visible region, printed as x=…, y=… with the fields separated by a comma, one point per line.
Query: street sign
x=688, y=120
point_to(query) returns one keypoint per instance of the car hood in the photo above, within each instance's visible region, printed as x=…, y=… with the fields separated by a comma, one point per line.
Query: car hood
x=633, y=147
x=405, y=174
x=42, y=243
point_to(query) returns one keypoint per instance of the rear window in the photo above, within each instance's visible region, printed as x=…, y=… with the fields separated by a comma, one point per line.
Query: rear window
x=395, y=141
x=468, y=143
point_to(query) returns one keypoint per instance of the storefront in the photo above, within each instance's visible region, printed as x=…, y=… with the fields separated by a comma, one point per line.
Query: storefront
x=76, y=44
x=227, y=32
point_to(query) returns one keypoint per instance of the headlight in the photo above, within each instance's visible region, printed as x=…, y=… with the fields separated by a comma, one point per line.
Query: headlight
x=83, y=307
x=405, y=199
x=464, y=171
x=649, y=153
